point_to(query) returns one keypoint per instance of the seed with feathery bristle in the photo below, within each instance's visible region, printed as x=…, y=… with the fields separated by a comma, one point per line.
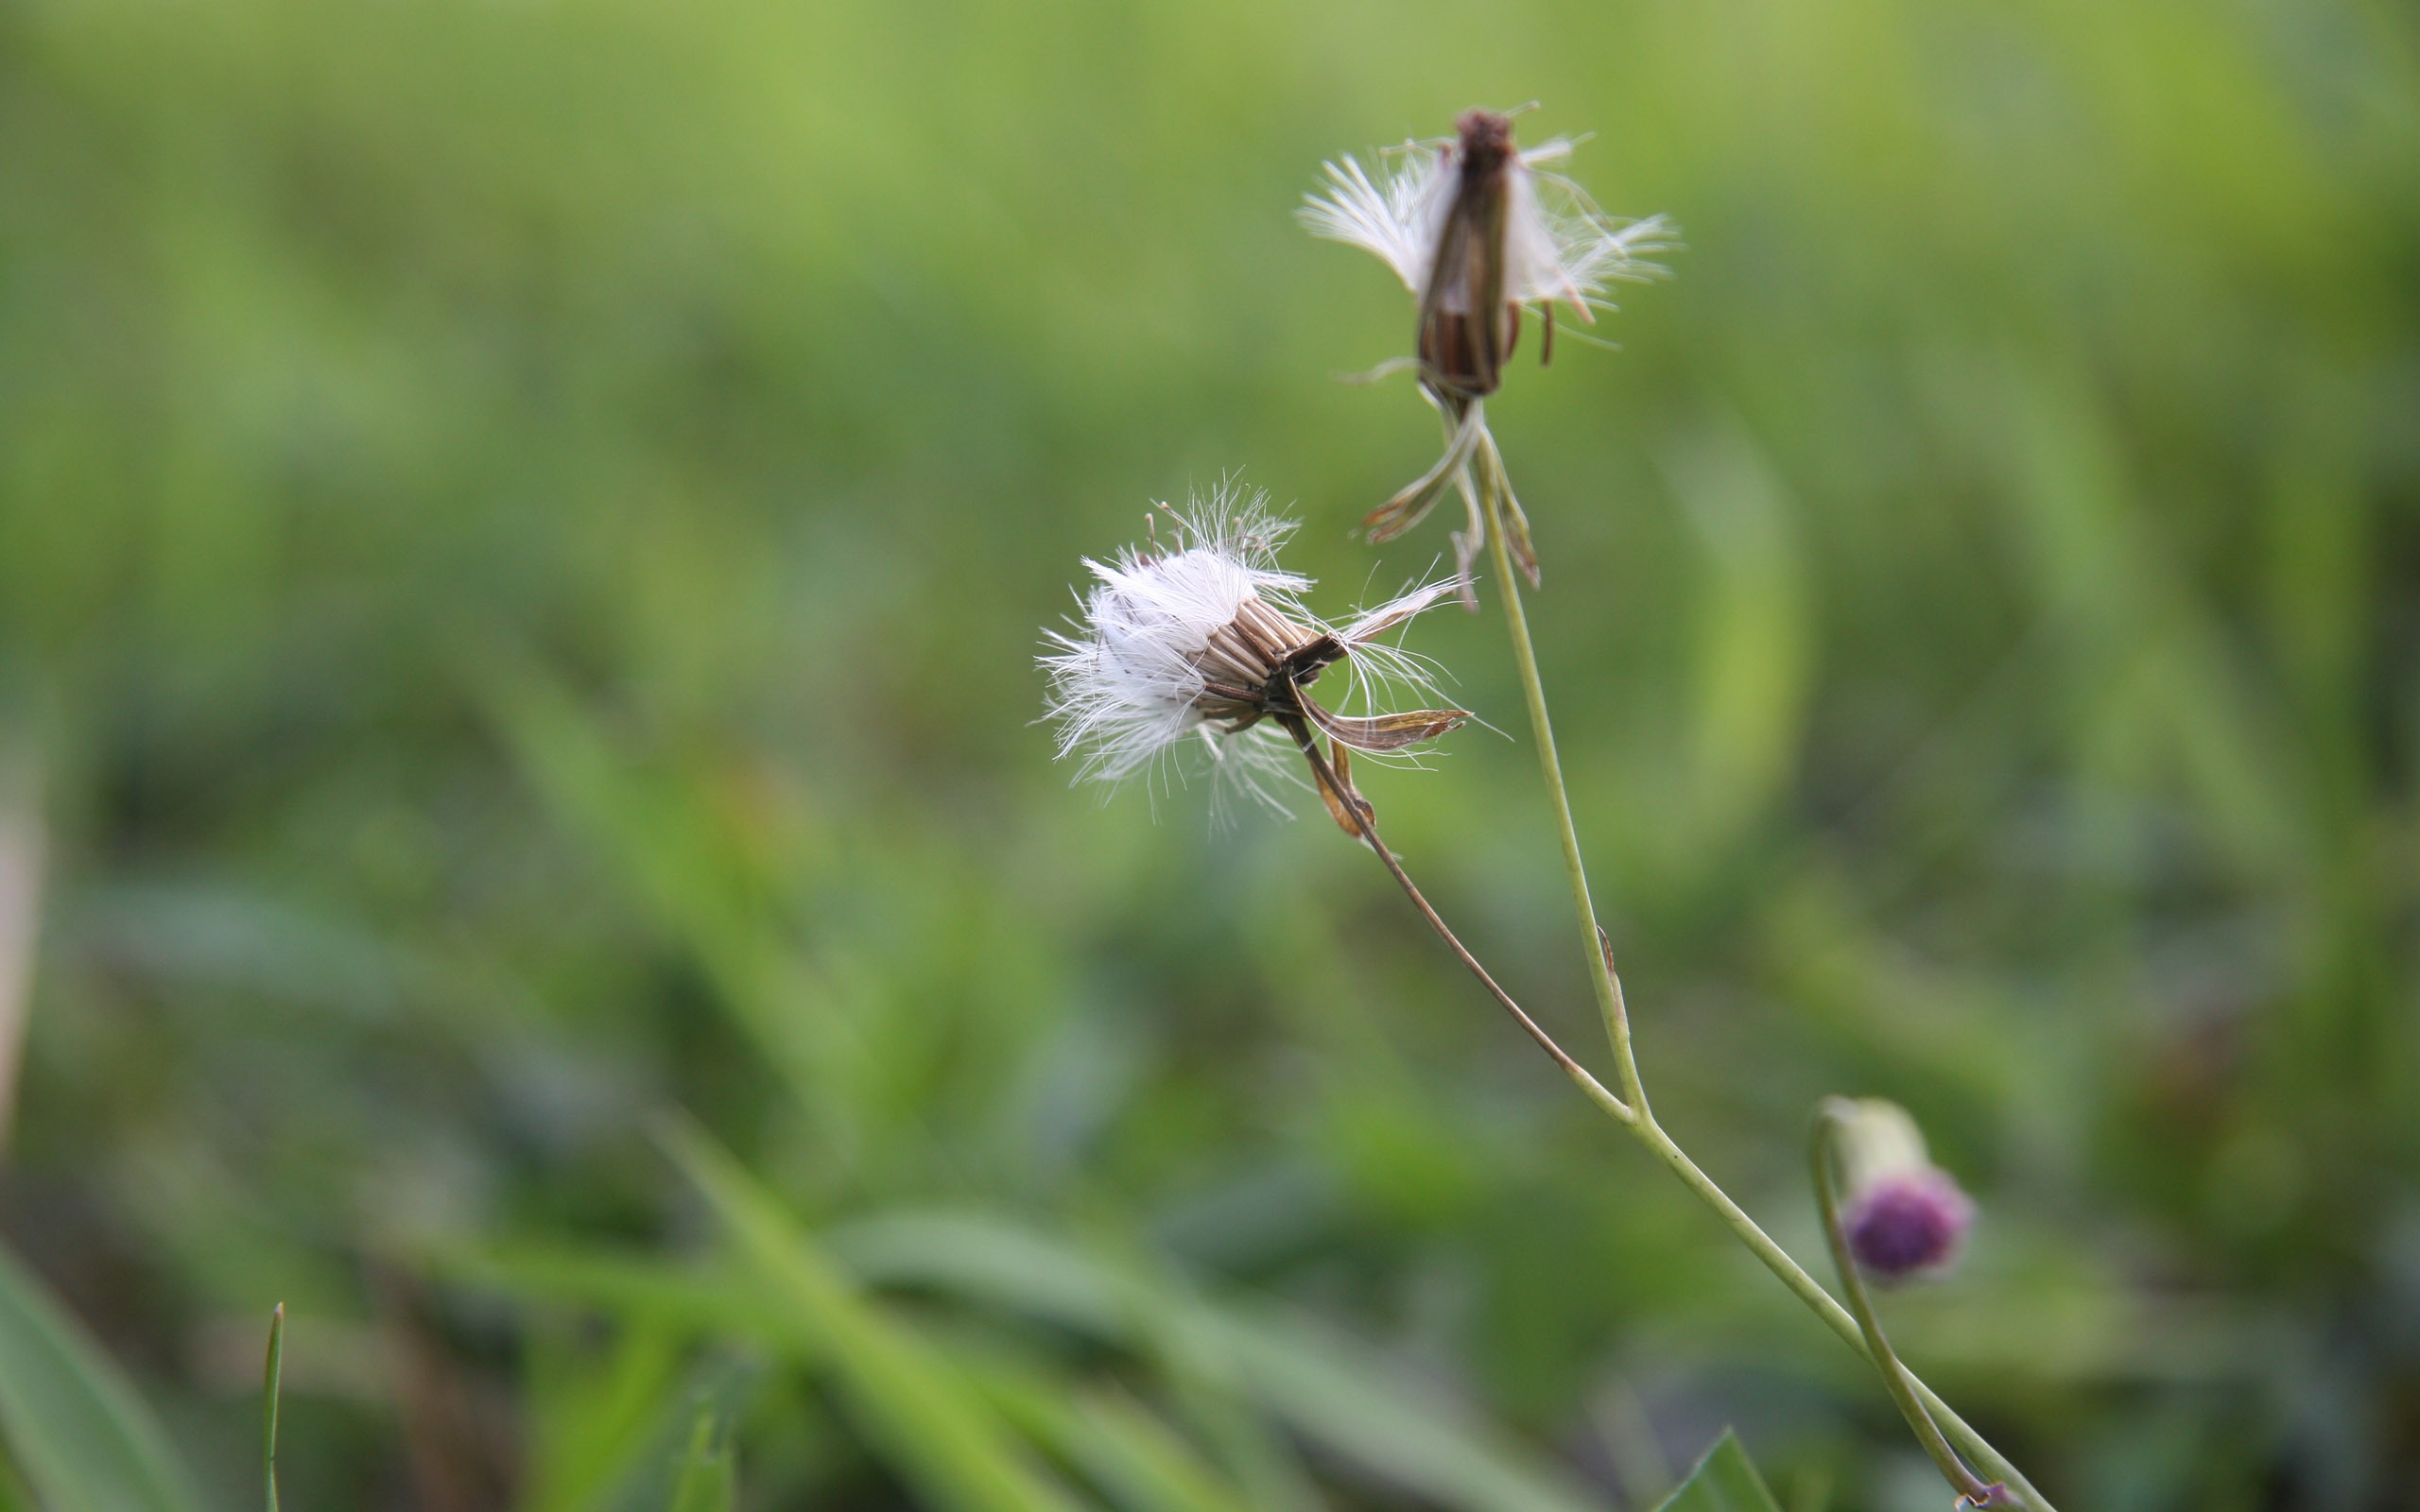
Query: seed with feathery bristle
x=1556, y=246
x=1212, y=640
x=1478, y=231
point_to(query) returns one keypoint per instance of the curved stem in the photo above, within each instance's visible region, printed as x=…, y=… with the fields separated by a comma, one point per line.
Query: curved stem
x=1821, y=1302
x=1830, y=1119
x=1495, y=487
x=1347, y=802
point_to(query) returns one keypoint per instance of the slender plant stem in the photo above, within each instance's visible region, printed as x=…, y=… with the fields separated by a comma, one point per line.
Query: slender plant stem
x=1495, y=487
x=1349, y=803
x=272, y=1375
x=1808, y=1290
x=1829, y=1119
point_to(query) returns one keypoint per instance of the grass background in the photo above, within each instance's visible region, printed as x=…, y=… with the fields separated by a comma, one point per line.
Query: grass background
x=523, y=532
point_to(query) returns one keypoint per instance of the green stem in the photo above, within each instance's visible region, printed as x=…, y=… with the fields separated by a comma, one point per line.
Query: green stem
x=1494, y=487
x=1346, y=802
x=1830, y=1119
x=272, y=1374
x=1809, y=1291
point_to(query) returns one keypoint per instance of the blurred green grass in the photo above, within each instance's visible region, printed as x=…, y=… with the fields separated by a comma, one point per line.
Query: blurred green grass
x=522, y=529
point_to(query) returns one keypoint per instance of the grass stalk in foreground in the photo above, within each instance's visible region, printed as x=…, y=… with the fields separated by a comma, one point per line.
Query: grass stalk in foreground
x=270, y=1379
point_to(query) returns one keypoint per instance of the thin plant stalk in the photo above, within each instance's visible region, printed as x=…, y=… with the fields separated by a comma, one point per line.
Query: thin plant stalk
x=1972, y=1492
x=1809, y=1291
x=1494, y=489
x=272, y=1374
x=1348, y=802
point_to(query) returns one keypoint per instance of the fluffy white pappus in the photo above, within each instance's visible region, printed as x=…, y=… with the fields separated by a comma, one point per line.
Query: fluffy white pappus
x=1558, y=245
x=1126, y=689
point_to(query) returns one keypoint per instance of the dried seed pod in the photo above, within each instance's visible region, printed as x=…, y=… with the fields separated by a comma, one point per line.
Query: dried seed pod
x=1478, y=229
x=1479, y=232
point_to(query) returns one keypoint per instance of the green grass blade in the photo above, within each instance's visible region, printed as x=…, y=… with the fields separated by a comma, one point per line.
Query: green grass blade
x=595, y=1411
x=271, y=1374
x=82, y=1438
x=709, y=1478
x=1124, y=1449
x=1341, y=1397
x=1725, y=1481
x=1312, y=1382
x=936, y=1433
x=700, y=1300
x=1311, y=1379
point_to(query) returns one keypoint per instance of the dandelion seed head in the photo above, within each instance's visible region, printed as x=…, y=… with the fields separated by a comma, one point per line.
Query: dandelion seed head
x=1182, y=649
x=1129, y=686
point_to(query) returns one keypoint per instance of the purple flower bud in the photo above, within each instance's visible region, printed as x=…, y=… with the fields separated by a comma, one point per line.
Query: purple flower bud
x=1907, y=1222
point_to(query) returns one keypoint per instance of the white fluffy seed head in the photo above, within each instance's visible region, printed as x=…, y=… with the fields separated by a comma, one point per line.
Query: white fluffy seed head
x=1128, y=690
x=1128, y=686
x=1558, y=245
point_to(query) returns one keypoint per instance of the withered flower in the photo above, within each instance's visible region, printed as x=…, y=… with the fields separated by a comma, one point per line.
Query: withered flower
x=1479, y=232
x=1210, y=642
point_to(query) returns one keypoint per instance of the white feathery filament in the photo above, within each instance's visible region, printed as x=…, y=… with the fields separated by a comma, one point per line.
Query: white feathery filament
x=1208, y=641
x=1559, y=248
